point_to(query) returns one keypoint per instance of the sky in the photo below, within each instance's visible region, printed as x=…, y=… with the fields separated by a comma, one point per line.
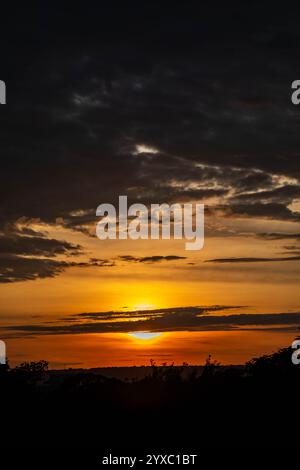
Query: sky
x=164, y=105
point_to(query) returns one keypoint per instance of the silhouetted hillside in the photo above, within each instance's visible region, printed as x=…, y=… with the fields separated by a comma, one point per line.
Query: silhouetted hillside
x=254, y=405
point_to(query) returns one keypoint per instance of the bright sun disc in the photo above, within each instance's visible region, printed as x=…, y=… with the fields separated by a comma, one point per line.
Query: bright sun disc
x=144, y=335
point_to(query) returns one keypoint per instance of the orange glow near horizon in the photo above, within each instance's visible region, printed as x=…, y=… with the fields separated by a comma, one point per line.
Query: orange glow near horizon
x=123, y=349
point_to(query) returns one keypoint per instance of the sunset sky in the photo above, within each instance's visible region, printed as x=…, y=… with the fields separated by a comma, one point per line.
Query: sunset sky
x=163, y=106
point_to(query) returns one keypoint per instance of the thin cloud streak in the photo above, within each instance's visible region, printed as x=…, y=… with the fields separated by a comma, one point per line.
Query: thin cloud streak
x=163, y=320
x=252, y=260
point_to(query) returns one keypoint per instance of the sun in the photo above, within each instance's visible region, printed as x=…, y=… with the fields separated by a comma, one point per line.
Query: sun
x=145, y=338
x=144, y=335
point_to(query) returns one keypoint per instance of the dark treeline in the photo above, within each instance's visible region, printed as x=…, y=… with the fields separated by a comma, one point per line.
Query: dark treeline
x=251, y=406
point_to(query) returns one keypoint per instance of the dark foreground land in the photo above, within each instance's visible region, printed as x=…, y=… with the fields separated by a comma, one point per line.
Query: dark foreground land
x=252, y=406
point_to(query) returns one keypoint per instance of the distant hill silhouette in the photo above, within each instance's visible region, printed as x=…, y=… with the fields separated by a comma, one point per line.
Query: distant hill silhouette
x=250, y=406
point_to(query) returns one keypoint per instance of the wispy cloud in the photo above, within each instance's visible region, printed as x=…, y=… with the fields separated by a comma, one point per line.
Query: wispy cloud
x=252, y=260
x=150, y=259
x=279, y=236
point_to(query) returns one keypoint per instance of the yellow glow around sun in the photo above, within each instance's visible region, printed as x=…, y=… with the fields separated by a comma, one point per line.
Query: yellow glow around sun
x=144, y=306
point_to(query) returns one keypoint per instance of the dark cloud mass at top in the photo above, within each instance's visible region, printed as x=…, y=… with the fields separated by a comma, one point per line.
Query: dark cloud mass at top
x=204, y=93
x=202, y=87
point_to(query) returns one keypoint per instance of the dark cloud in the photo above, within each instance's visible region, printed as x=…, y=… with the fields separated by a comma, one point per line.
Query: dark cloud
x=150, y=259
x=285, y=194
x=279, y=236
x=292, y=249
x=161, y=320
x=153, y=313
x=18, y=268
x=27, y=255
x=36, y=246
x=31, y=256
x=274, y=211
x=252, y=260
x=253, y=180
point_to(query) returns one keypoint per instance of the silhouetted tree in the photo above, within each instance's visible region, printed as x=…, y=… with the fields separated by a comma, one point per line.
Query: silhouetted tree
x=32, y=371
